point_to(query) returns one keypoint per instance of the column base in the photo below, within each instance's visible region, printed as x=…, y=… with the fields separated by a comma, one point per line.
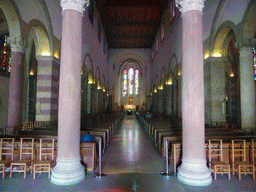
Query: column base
x=68, y=171
x=194, y=172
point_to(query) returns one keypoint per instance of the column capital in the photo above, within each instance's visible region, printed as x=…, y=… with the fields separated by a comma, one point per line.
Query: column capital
x=190, y=5
x=251, y=42
x=78, y=5
x=17, y=44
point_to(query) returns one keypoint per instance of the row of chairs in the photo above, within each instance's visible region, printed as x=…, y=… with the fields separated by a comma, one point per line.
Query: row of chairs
x=27, y=161
x=241, y=162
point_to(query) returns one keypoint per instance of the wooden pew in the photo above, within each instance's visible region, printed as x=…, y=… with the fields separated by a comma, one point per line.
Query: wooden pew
x=88, y=155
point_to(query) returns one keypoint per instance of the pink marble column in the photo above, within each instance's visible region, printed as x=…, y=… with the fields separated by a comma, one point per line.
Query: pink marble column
x=15, y=88
x=193, y=170
x=247, y=87
x=69, y=169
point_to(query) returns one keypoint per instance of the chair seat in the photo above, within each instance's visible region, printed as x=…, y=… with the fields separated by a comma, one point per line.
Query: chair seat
x=3, y=162
x=43, y=162
x=219, y=163
x=244, y=163
x=22, y=162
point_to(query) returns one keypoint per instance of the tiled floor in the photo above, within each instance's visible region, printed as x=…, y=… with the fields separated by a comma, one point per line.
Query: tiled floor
x=132, y=163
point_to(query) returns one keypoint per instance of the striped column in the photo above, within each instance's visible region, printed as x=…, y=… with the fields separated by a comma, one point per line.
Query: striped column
x=247, y=86
x=47, y=89
x=215, y=91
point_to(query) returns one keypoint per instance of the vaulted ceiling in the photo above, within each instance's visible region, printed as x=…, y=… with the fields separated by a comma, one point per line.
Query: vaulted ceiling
x=131, y=23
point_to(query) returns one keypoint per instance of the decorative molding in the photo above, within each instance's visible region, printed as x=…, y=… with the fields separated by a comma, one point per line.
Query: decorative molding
x=17, y=44
x=190, y=5
x=78, y=5
x=68, y=171
x=245, y=43
x=194, y=172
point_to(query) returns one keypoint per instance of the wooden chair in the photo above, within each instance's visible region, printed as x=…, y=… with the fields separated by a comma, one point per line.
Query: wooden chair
x=26, y=157
x=239, y=162
x=253, y=152
x=6, y=149
x=216, y=163
x=46, y=157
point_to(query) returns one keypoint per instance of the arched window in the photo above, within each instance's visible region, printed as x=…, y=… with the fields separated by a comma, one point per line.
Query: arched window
x=130, y=82
x=5, y=55
x=254, y=56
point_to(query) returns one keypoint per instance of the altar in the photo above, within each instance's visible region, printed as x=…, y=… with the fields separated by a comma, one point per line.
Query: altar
x=130, y=107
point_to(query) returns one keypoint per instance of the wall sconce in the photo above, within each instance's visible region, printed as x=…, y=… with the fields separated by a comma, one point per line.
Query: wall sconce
x=232, y=75
x=161, y=87
x=169, y=82
x=46, y=53
x=216, y=55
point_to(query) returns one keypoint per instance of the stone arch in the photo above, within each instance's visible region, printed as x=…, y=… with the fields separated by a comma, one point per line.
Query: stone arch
x=163, y=71
x=98, y=77
x=130, y=56
x=12, y=16
x=220, y=37
x=123, y=65
x=249, y=21
x=41, y=38
x=87, y=61
x=48, y=27
x=172, y=63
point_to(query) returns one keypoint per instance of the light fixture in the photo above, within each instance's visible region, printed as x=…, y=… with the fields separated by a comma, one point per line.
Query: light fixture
x=216, y=55
x=46, y=53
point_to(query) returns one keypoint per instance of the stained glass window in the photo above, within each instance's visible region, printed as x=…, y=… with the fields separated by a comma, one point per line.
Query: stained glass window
x=130, y=77
x=130, y=82
x=5, y=56
x=125, y=83
x=136, y=81
x=254, y=56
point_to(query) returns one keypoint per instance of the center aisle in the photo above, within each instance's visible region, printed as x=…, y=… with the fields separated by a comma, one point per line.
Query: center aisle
x=131, y=151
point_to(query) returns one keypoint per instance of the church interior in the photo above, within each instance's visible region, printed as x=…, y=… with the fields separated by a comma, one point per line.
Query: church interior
x=165, y=87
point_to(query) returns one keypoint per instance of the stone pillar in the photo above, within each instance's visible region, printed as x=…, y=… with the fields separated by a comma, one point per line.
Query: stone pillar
x=215, y=86
x=168, y=99
x=175, y=98
x=99, y=100
x=193, y=170
x=247, y=86
x=69, y=169
x=155, y=102
x=91, y=102
x=47, y=88
x=149, y=102
x=15, y=88
x=84, y=95
x=179, y=112
x=160, y=102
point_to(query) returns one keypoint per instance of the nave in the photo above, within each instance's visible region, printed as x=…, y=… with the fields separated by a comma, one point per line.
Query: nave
x=132, y=163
